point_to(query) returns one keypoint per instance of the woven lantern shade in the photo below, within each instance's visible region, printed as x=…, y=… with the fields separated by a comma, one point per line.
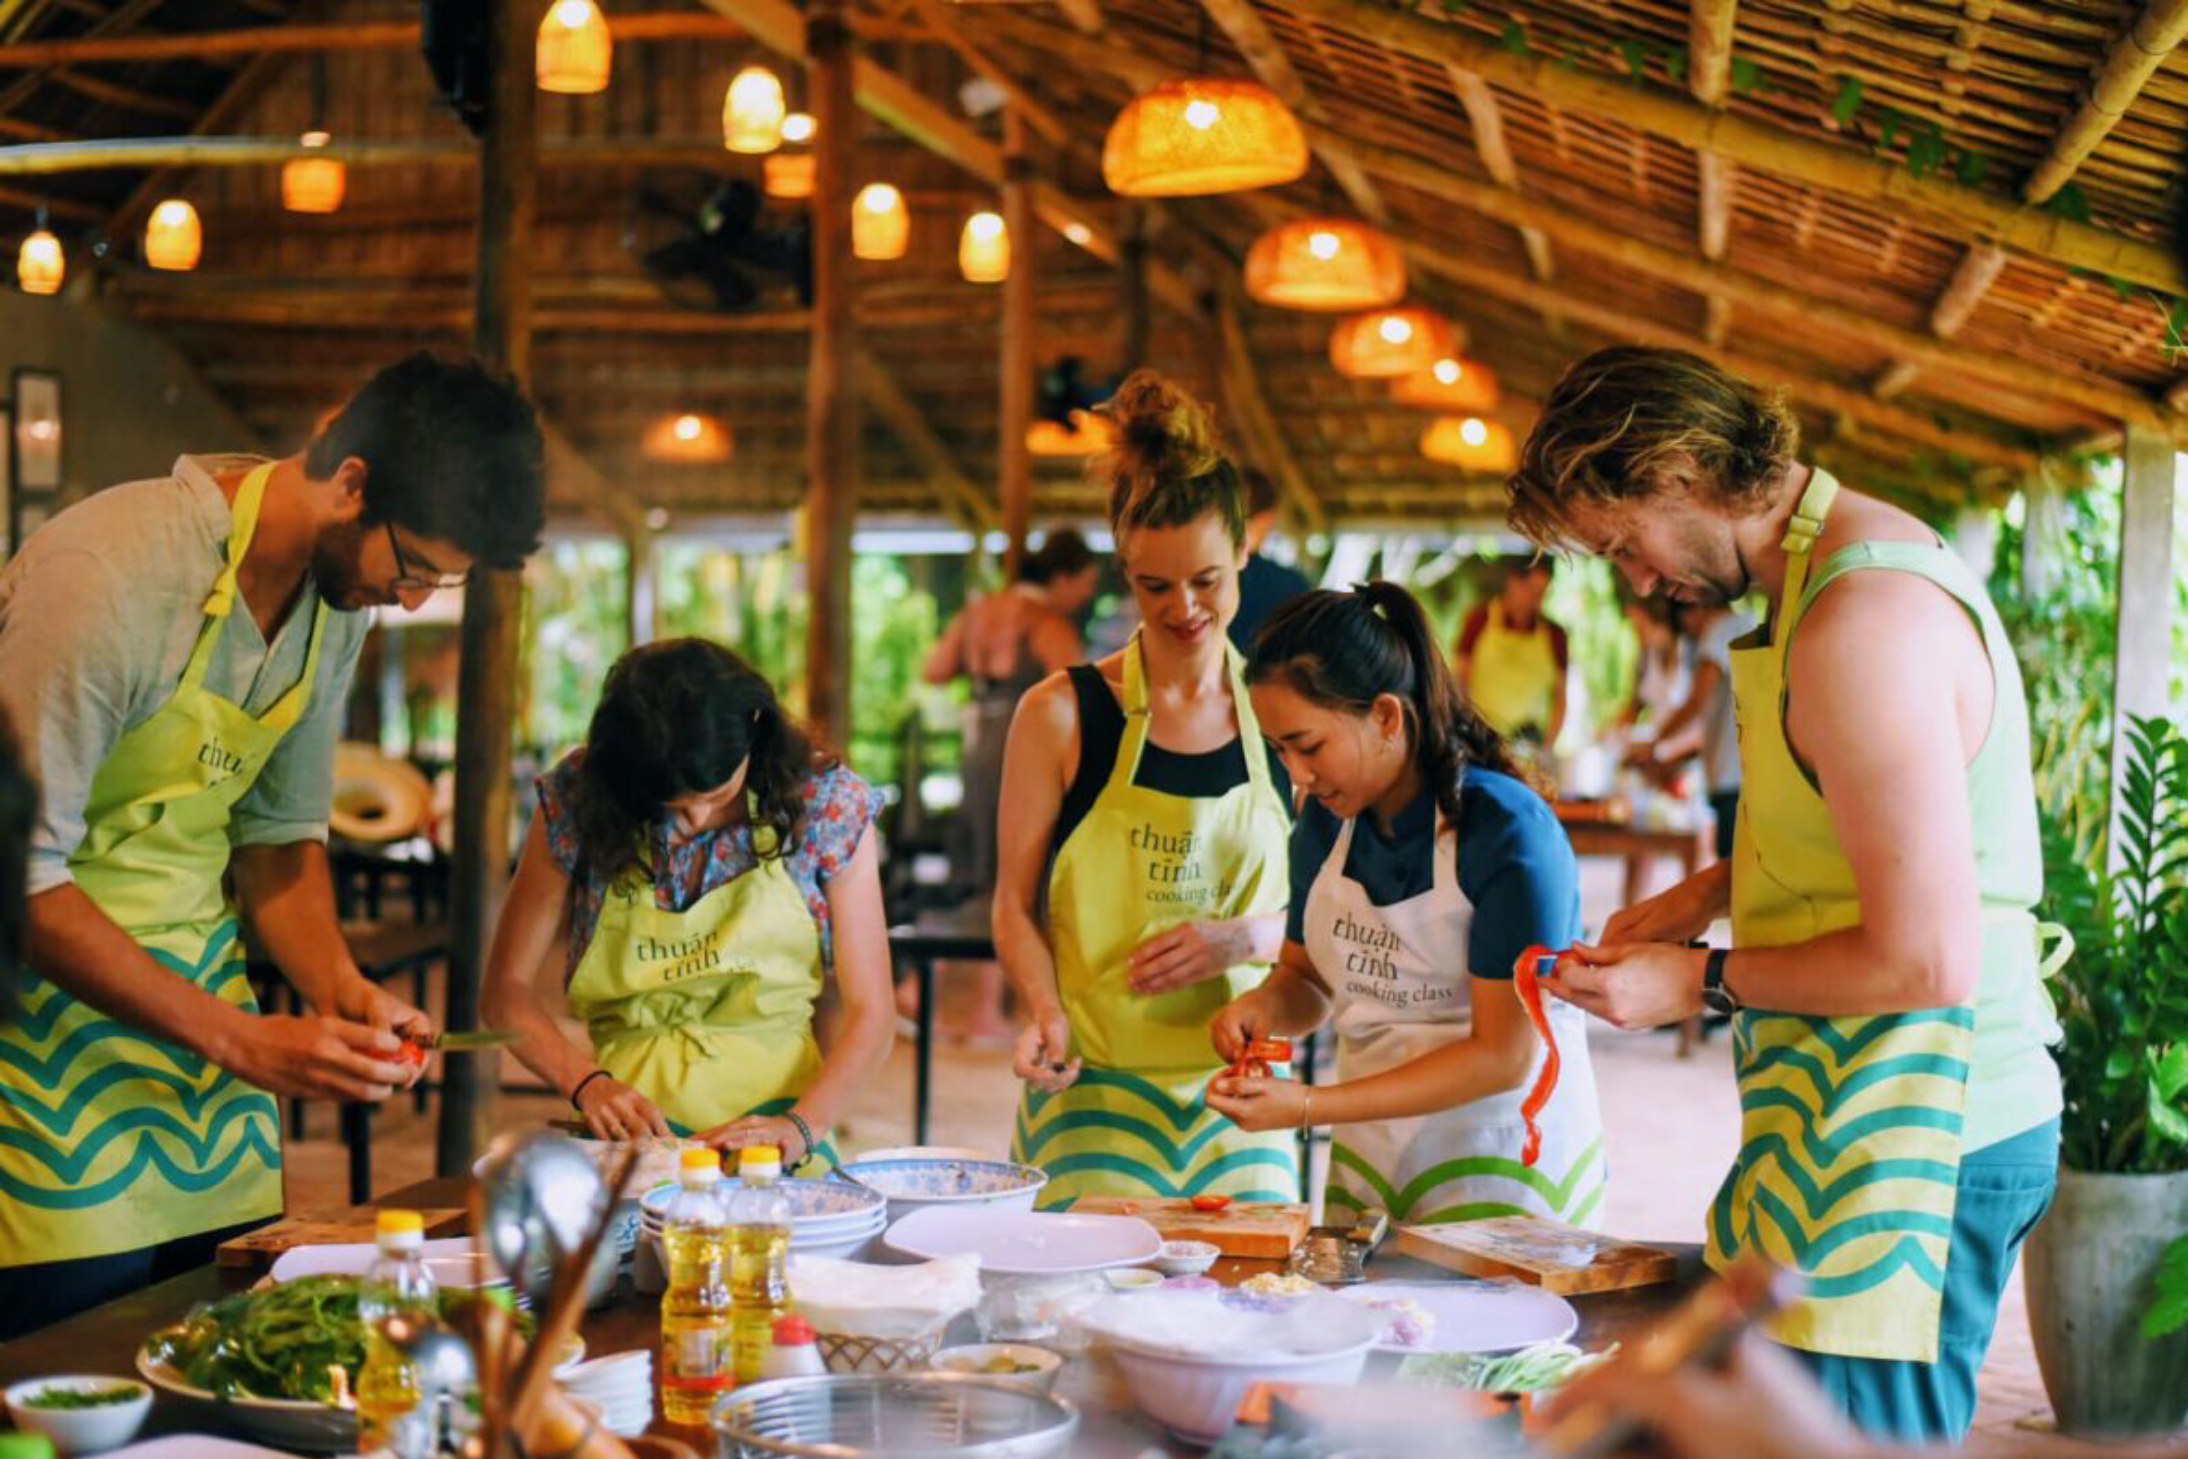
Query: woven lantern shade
x=1470, y=443
x=1465, y=386
x=789, y=174
x=574, y=51
x=688, y=440
x=313, y=184
x=40, y=265
x=173, y=238
x=1385, y=344
x=753, y=111
x=983, y=249
x=1087, y=434
x=1331, y=265
x=881, y=228
x=1211, y=135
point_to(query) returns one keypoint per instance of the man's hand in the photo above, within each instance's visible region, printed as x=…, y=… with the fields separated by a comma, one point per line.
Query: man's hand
x=1633, y=985
x=360, y=1000
x=1678, y=914
x=1192, y=952
x=316, y=1057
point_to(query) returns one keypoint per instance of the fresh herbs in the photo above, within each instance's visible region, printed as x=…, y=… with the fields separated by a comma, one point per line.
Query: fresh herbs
x=81, y=1397
x=1530, y=1370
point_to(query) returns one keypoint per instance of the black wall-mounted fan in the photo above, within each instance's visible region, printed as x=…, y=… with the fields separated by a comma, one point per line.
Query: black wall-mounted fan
x=711, y=243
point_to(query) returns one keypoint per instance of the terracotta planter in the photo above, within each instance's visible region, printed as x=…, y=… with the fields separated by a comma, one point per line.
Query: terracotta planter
x=2087, y=1271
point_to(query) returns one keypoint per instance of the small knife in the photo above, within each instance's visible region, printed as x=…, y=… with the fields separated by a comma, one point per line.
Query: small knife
x=461, y=1041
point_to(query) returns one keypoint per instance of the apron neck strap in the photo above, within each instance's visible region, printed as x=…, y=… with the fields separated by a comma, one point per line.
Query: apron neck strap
x=221, y=602
x=1139, y=718
x=1799, y=545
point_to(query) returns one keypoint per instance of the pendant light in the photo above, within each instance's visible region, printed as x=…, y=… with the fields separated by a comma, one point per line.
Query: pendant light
x=799, y=128
x=574, y=51
x=983, y=249
x=1386, y=344
x=1325, y=265
x=881, y=229
x=173, y=238
x=313, y=184
x=1200, y=136
x=1468, y=387
x=788, y=174
x=688, y=439
x=1086, y=435
x=1471, y=443
x=753, y=111
x=40, y=265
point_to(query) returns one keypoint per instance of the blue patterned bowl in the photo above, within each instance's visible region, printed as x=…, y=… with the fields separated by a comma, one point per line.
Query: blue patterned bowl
x=912, y=1185
x=814, y=1204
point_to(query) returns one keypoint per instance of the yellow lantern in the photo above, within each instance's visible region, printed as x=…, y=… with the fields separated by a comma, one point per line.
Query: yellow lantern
x=574, y=50
x=41, y=265
x=799, y=128
x=983, y=249
x=687, y=440
x=1389, y=343
x=788, y=174
x=1209, y=135
x=173, y=238
x=752, y=111
x=881, y=229
x=1087, y=434
x=1470, y=443
x=1466, y=386
x=1325, y=265
x=313, y=184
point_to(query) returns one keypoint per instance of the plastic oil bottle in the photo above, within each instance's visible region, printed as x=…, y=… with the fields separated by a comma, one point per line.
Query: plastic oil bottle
x=759, y=1256
x=697, y=1365
x=396, y=1285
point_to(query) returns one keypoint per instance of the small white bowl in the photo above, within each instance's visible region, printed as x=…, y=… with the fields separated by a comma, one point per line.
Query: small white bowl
x=1187, y=1258
x=973, y=1358
x=81, y=1430
x=1133, y=1279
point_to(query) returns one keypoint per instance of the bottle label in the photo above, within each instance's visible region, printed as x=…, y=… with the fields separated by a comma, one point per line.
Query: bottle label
x=754, y=1339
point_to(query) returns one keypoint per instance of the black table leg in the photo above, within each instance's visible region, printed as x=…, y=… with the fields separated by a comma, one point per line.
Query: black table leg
x=925, y=1051
x=357, y=1134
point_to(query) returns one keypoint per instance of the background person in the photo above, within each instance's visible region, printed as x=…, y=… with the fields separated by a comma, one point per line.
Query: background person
x=1512, y=660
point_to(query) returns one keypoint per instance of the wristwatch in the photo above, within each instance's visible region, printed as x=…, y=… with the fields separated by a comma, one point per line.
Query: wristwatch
x=1716, y=997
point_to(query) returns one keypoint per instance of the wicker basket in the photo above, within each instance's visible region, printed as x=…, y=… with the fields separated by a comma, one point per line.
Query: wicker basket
x=852, y=1352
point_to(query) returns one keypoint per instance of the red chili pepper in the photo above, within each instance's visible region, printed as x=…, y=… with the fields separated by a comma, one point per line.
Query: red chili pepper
x=1210, y=1203
x=1525, y=979
x=413, y=1053
x=1275, y=1051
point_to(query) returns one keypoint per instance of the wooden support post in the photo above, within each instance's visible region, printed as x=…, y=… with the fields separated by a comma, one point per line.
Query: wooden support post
x=2142, y=658
x=486, y=692
x=831, y=399
x=1015, y=404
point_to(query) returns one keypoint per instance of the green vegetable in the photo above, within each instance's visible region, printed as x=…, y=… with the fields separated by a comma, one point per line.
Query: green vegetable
x=80, y=1397
x=1530, y=1370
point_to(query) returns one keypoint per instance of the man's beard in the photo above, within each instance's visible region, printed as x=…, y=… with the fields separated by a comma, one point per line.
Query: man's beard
x=335, y=561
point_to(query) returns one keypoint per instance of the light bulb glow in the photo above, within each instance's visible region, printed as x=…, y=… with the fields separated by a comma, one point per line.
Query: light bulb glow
x=173, y=237
x=573, y=53
x=753, y=111
x=1202, y=114
x=1473, y=431
x=572, y=14
x=881, y=228
x=1079, y=233
x=1201, y=135
x=799, y=127
x=1324, y=245
x=1395, y=329
x=983, y=250
x=879, y=197
x=41, y=265
x=688, y=428
x=1449, y=372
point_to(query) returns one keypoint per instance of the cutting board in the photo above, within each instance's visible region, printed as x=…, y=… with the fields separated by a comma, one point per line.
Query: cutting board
x=333, y=1226
x=1553, y=1256
x=1262, y=1230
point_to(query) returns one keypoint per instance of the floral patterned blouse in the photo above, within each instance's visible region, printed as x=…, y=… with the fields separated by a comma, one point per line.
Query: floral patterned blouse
x=838, y=808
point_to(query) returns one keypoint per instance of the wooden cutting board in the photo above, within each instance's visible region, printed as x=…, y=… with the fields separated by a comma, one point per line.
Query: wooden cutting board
x=256, y=1250
x=1554, y=1256
x=1263, y=1230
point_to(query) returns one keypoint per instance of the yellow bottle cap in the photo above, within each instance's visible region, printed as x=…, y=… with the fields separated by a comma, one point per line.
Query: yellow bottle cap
x=759, y=1155
x=401, y=1223
x=703, y=1158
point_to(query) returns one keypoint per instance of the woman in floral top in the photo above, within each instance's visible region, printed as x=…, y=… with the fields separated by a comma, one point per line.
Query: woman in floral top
x=695, y=872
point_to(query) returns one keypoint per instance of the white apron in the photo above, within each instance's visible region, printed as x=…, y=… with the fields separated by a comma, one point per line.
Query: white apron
x=1401, y=981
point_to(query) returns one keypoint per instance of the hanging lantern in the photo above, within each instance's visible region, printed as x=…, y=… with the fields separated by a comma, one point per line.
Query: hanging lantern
x=173, y=238
x=41, y=265
x=1470, y=443
x=574, y=50
x=1087, y=434
x=881, y=229
x=789, y=174
x=1325, y=265
x=983, y=249
x=1210, y=135
x=1468, y=387
x=1389, y=343
x=752, y=111
x=313, y=184
x=799, y=128
x=687, y=440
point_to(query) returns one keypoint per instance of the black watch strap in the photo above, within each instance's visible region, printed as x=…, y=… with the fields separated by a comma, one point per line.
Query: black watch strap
x=1716, y=997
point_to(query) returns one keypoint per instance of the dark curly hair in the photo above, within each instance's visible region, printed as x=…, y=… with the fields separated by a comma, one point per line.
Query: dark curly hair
x=1168, y=466
x=1063, y=553
x=1343, y=650
x=676, y=718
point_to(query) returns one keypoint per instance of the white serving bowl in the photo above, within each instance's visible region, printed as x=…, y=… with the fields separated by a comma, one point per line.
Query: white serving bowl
x=1197, y=1398
x=913, y=1184
x=973, y=1358
x=1187, y=1258
x=81, y=1430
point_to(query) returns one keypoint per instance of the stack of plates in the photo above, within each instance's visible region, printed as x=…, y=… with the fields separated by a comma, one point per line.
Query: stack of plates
x=828, y=1217
x=621, y=1384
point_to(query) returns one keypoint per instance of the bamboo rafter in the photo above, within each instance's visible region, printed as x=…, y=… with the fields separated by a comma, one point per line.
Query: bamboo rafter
x=1269, y=62
x=1487, y=121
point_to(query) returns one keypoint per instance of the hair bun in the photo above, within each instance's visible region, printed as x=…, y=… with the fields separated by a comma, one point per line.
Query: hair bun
x=1162, y=431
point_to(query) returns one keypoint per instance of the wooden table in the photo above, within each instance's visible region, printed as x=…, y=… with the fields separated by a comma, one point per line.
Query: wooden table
x=105, y=1339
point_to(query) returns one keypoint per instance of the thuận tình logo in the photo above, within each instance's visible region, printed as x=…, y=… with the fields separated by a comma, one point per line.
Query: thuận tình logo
x=214, y=756
x=1371, y=947
x=1172, y=859
x=691, y=955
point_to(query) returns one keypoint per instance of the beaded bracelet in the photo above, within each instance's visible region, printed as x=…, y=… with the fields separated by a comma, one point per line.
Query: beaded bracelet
x=805, y=1133
x=580, y=1088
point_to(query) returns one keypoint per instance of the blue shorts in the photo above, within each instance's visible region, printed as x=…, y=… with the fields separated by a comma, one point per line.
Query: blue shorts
x=2004, y=1191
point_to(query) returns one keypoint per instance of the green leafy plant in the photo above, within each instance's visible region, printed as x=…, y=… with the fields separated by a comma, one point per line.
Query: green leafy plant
x=2169, y=1313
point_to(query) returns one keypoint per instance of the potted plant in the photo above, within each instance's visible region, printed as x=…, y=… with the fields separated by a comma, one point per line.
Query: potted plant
x=2093, y=1267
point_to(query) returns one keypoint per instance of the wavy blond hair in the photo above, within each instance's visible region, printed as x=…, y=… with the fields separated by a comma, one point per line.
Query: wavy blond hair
x=1168, y=466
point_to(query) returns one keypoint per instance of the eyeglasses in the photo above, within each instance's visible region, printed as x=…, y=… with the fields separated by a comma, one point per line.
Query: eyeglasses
x=405, y=578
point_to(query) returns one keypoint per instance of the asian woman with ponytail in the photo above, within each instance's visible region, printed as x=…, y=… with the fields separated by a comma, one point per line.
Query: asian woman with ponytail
x=1423, y=864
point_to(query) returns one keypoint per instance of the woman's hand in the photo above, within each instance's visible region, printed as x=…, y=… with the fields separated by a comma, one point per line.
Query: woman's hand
x=1192, y=952
x=1239, y=1022
x=1043, y=1056
x=1635, y=985
x=760, y=1130
x=1257, y=1102
x=615, y=1111
x=1679, y=914
x=1761, y=1406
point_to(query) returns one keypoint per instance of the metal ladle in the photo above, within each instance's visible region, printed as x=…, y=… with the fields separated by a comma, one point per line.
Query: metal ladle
x=543, y=1195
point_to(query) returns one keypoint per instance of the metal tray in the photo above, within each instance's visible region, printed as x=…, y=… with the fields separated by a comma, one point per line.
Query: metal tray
x=897, y=1415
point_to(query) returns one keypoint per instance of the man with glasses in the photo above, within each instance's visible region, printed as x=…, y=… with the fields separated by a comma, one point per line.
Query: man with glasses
x=175, y=655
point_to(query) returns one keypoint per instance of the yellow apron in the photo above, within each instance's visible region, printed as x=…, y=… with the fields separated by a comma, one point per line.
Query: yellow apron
x=111, y=1140
x=708, y=1012
x=1852, y=1128
x=1512, y=676
x=1142, y=862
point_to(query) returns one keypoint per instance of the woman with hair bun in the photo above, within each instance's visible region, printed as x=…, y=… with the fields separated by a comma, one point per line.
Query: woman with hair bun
x=1142, y=879
x=1422, y=867
x=697, y=869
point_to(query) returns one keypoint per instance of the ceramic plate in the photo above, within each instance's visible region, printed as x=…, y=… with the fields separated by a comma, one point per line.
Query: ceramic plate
x=1477, y=1317
x=947, y=1180
x=1026, y=1243
x=352, y=1258
x=195, y=1446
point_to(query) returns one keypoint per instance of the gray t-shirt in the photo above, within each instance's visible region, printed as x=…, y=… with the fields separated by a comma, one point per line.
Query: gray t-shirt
x=98, y=614
x=1720, y=730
